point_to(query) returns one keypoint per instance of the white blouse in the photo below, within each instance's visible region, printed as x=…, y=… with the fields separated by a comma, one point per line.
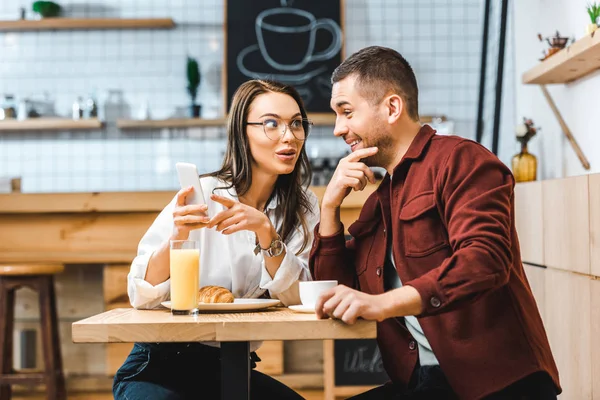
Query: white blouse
x=226, y=260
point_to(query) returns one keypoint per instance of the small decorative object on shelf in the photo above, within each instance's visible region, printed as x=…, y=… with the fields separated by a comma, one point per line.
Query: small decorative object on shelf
x=193, y=77
x=47, y=9
x=593, y=10
x=556, y=43
x=524, y=164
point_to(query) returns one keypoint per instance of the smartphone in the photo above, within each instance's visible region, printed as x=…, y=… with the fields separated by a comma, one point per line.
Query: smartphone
x=188, y=176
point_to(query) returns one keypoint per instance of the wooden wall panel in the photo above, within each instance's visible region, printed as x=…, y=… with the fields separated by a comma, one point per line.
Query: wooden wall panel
x=114, y=289
x=569, y=331
x=595, y=345
x=115, y=284
x=271, y=355
x=537, y=280
x=115, y=355
x=72, y=238
x=303, y=356
x=566, y=224
x=594, y=184
x=529, y=221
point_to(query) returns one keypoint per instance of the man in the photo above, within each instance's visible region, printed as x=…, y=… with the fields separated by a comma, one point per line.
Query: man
x=434, y=256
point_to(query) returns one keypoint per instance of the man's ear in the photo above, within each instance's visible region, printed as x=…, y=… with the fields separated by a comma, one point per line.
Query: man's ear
x=394, y=107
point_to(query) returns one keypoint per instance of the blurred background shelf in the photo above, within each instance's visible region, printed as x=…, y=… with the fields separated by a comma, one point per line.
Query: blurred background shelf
x=319, y=119
x=86, y=23
x=169, y=123
x=47, y=124
x=571, y=63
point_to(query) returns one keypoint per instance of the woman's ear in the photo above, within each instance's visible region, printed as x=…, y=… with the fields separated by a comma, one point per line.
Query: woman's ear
x=394, y=107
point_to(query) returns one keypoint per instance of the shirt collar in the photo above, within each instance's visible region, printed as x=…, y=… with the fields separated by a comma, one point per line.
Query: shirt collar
x=415, y=151
x=417, y=147
x=272, y=204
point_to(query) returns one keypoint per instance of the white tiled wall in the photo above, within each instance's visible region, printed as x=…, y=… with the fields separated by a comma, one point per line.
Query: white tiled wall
x=440, y=38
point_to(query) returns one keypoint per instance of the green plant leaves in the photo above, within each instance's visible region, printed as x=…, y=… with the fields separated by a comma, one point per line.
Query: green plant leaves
x=193, y=77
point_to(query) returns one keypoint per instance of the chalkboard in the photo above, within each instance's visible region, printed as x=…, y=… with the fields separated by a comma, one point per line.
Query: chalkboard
x=358, y=363
x=298, y=42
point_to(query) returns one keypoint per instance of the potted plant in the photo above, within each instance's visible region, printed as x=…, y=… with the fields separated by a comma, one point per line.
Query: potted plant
x=193, y=78
x=524, y=164
x=47, y=9
x=593, y=10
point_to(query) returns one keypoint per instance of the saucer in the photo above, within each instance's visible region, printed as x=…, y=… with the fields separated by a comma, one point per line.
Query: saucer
x=301, y=308
x=237, y=305
x=251, y=55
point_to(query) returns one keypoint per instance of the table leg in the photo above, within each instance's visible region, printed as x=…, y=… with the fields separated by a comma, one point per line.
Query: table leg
x=235, y=370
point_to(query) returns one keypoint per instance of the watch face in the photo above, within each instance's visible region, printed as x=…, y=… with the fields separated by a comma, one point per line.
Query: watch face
x=276, y=248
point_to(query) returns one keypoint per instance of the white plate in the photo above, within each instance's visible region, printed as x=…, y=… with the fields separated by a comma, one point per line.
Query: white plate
x=237, y=305
x=303, y=309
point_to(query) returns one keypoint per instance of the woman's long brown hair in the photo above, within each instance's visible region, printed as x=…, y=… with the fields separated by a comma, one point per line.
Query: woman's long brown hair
x=237, y=163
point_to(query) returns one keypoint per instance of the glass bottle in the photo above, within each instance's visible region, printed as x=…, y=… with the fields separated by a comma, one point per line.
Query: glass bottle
x=524, y=165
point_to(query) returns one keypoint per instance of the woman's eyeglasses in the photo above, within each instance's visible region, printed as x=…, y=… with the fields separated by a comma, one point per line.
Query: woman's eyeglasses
x=275, y=128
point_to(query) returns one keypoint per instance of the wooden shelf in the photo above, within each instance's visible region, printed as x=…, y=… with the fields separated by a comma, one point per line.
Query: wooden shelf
x=85, y=23
x=571, y=63
x=169, y=123
x=50, y=124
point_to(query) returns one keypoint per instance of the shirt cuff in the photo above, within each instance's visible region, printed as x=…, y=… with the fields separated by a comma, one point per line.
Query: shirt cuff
x=433, y=300
x=329, y=244
x=143, y=294
x=288, y=272
x=146, y=293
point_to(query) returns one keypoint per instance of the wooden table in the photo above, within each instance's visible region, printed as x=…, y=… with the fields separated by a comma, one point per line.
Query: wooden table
x=235, y=331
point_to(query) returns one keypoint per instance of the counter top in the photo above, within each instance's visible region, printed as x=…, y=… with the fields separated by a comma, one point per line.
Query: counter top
x=120, y=202
x=95, y=228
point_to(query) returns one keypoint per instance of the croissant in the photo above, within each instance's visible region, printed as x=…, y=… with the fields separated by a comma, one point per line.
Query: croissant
x=214, y=294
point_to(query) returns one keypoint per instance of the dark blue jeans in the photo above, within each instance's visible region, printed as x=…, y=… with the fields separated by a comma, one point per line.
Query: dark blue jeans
x=181, y=371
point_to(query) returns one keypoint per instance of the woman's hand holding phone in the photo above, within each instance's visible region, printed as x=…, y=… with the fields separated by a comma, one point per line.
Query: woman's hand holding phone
x=186, y=217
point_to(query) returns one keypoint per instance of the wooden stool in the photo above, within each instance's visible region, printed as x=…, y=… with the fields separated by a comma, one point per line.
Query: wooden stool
x=41, y=279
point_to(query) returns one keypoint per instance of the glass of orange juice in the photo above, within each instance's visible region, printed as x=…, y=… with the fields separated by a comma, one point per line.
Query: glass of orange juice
x=185, y=270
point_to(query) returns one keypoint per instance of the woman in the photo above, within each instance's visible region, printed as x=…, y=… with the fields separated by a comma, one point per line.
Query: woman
x=258, y=201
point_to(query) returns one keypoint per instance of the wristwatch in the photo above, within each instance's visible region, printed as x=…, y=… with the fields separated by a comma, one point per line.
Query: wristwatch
x=275, y=248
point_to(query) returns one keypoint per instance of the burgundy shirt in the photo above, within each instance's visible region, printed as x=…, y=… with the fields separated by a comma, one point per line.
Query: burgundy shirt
x=450, y=211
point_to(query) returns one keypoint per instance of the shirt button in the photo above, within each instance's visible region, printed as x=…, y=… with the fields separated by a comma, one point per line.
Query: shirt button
x=435, y=302
x=378, y=271
x=412, y=345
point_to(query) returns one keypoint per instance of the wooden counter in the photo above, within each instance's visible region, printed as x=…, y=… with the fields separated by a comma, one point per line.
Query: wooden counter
x=93, y=228
x=558, y=223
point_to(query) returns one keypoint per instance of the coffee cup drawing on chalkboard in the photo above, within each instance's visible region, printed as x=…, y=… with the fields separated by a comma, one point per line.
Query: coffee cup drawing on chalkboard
x=294, y=25
x=280, y=30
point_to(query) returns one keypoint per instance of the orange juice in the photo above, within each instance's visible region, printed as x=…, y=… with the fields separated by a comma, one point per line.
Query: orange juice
x=185, y=268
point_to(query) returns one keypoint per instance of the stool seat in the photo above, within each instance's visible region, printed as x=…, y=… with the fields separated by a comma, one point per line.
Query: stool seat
x=30, y=269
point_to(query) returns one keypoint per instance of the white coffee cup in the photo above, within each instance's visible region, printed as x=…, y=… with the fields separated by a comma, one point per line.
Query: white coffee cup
x=311, y=290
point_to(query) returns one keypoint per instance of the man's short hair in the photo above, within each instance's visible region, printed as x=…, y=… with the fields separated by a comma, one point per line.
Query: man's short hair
x=379, y=71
